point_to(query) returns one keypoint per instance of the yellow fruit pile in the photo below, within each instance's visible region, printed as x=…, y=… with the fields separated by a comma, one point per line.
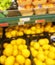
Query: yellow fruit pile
x=28, y=29
x=42, y=52
x=15, y=53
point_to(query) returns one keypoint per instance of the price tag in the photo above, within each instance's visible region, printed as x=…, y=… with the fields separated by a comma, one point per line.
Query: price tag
x=20, y=23
x=40, y=21
x=24, y=19
x=53, y=38
x=3, y=24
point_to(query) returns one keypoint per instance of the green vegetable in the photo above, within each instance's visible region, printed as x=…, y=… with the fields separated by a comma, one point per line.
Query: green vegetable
x=5, y=4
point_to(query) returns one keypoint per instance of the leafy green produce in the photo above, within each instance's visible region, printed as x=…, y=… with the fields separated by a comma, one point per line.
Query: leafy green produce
x=5, y=4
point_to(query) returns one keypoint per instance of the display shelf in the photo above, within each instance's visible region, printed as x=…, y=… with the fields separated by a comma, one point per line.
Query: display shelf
x=19, y=20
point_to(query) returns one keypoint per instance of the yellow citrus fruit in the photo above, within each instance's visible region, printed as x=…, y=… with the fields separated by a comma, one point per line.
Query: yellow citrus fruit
x=19, y=41
x=36, y=45
x=32, y=43
x=34, y=52
x=46, y=40
x=46, y=52
x=28, y=31
x=38, y=30
x=41, y=57
x=15, y=47
x=35, y=60
x=43, y=41
x=5, y=44
x=19, y=33
x=24, y=42
x=27, y=62
x=46, y=47
x=10, y=60
x=20, y=59
x=51, y=30
x=44, y=63
x=25, y=52
x=21, y=47
x=13, y=33
x=8, y=34
x=51, y=55
x=13, y=42
x=2, y=59
x=39, y=62
x=8, y=50
x=52, y=49
x=15, y=52
x=49, y=61
x=33, y=28
x=16, y=63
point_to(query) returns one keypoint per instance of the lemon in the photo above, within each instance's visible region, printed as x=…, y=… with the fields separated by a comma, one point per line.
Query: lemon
x=16, y=63
x=28, y=31
x=34, y=52
x=15, y=52
x=41, y=57
x=35, y=60
x=46, y=40
x=27, y=62
x=44, y=63
x=46, y=47
x=8, y=34
x=43, y=42
x=23, y=41
x=2, y=59
x=51, y=55
x=21, y=47
x=33, y=28
x=32, y=43
x=19, y=41
x=8, y=50
x=19, y=52
x=5, y=44
x=49, y=61
x=47, y=28
x=38, y=30
x=15, y=47
x=10, y=60
x=20, y=59
x=13, y=42
x=52, y=49
x=46, y=52
x=51, y=30
x=26, y=53
x=19, y=33
x=39, y=62
x=14, y=33
x=36, y=45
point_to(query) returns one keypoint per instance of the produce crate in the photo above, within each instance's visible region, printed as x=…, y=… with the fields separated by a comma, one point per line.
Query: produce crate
x=36, y=39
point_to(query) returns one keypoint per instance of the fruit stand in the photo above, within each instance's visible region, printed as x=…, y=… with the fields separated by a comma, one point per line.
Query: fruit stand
x=27, y=32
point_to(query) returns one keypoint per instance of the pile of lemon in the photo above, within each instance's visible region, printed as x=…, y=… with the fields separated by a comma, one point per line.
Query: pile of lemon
x=15, y=53
x=28, y=29
x=42, y=52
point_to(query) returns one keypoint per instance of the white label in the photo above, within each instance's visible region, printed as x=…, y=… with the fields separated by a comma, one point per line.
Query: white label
x=20, y=23
x=53, y=38
x=25, y=19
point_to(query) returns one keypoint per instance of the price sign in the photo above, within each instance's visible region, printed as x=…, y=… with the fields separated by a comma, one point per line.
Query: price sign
x=40, y=21
x=20, y=23
x=53, y=38
x=25, y=19
x=3, y=24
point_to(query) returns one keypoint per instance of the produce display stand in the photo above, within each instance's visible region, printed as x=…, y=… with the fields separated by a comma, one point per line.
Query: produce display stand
x=12, y=17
